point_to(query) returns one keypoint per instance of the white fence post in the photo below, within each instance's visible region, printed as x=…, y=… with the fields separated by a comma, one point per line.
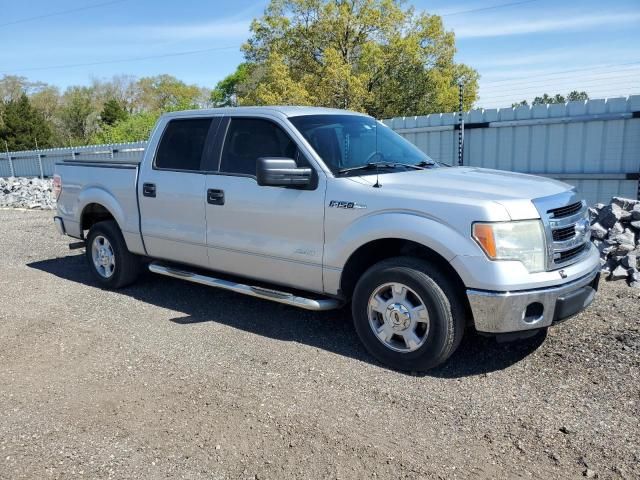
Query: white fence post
x=40, y=166
x=13, y=172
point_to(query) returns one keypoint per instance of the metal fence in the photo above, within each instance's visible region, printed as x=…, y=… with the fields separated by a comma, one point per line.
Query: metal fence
x=40, y=163
x=594, y=145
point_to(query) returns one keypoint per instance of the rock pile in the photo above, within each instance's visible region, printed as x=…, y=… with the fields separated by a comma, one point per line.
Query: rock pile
x=615, y=230
x=31, y=193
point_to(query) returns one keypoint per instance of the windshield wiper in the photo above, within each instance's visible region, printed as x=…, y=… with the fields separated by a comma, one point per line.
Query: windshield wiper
x=425, y=164
x=374, y=165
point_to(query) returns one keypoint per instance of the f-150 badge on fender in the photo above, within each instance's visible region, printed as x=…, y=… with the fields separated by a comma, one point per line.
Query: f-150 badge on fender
x=340, y=204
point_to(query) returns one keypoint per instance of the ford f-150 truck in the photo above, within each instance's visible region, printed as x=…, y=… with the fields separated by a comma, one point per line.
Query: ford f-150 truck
x=316, y=208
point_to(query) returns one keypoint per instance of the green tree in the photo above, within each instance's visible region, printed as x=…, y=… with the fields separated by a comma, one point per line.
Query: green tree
x=164, y=93
x=546, y=99
x=369, y=55
x=78, y=114
x=134, y=128
x=577, y=96
x=112, y=112
x=225, y=93
x=23, y=127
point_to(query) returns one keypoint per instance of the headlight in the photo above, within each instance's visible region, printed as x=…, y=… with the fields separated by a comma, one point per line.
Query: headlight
x=519, y=240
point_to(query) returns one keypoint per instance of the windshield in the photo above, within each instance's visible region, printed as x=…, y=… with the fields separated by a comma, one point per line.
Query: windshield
x=345, y=142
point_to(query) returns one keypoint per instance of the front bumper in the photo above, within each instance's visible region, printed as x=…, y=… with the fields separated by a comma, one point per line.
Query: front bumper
x=501, y=312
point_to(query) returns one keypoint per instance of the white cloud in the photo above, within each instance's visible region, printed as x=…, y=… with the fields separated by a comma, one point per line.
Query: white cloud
x=503, y=26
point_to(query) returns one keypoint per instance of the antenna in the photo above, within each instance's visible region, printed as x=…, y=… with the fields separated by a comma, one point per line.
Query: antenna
x=377, y=184
x=460, y=126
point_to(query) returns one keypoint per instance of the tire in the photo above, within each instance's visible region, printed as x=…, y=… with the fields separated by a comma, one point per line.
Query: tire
x=114, y=266
x=418, y=327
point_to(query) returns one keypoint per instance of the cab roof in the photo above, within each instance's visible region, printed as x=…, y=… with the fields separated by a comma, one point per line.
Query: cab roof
x=284, y=111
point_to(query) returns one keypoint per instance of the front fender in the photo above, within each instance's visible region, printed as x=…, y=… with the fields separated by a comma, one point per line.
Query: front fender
x=441, y=238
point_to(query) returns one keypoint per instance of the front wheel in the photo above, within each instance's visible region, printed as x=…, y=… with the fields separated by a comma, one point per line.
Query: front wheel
x=111, y=263
x=407, y=314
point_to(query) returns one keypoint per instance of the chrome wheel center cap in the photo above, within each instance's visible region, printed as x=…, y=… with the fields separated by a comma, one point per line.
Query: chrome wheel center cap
x=398, y=317
x=104, y=256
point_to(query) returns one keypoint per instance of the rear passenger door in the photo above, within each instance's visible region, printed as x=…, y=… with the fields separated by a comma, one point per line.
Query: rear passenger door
x=267, y=233
x=171, y=191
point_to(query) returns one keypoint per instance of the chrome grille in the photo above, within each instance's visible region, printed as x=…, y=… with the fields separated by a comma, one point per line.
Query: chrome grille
x=565, y=256
x=567, y=228
x=562, y=234
x=565, y=211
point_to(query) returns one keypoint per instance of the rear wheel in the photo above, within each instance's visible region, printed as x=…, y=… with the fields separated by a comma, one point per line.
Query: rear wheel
x=407, y=314
x=111, y=263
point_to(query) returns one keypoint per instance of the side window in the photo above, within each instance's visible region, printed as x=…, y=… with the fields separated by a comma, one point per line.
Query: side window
x=249, y=139
x=182, y=144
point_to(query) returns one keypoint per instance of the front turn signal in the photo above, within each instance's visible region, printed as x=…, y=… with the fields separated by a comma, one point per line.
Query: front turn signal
x=483, y=234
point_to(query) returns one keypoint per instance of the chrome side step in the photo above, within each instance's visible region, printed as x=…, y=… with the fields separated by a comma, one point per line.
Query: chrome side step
x=259, y=292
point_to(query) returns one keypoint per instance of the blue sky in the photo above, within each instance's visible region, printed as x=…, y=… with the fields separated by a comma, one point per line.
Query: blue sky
x=520, y=50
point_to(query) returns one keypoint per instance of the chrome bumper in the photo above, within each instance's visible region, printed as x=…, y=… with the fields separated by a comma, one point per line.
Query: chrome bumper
x=59, y=225
x=501, y=312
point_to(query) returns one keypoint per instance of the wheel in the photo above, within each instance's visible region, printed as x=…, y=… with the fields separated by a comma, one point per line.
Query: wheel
x=407, y=314
x=112, y=265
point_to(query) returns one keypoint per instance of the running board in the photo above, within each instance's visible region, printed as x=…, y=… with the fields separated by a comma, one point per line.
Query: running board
x=252, y=291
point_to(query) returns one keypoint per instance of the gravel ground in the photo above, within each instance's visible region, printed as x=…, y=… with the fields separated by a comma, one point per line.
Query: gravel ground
x=167, y=379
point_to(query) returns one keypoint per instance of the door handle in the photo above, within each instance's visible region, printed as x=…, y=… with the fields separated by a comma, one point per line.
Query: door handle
x=149, y=189
x=215, y=197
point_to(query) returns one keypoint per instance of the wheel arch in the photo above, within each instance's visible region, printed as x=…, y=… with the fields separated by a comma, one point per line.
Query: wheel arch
x=377, y=250
x=98, y=205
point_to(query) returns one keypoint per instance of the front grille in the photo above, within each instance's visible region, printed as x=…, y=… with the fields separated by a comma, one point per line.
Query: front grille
x=565, y=233
x=566, y=211
x=563, y=257
x=566, y=228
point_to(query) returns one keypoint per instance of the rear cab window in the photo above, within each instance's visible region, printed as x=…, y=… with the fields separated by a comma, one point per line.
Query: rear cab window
x=183, y=143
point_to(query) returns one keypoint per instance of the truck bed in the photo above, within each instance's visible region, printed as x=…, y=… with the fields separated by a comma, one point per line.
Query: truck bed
x=109, y=182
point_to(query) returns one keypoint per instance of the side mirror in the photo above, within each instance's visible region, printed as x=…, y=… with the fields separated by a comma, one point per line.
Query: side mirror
x=282, y=172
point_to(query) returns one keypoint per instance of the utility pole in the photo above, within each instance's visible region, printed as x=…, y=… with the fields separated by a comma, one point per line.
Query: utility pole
x=460, y=125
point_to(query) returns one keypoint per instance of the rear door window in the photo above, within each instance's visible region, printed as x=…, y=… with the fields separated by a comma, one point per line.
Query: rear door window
x=183, y=143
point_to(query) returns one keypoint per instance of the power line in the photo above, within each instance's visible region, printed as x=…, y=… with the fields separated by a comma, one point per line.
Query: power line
x=550, y=74
x=123, y=60
x=512, y=4
x=61, y=12
x=519, y=86
x=576, y=82
x=522, y=93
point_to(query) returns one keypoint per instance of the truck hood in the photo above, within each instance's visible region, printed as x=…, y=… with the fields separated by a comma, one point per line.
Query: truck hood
x=512, y=190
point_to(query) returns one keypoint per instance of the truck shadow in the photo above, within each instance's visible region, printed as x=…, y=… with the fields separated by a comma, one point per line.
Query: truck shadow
x=332, y=331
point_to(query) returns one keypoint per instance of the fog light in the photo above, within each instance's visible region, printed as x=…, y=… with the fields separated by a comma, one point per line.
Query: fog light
x=534, y=312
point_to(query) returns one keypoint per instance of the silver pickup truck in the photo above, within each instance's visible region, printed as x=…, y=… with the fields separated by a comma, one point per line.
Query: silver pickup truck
x=316, y=208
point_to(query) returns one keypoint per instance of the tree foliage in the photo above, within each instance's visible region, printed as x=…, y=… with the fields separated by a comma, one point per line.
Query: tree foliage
x=23, y=127
x=546, y=99
x=135, y=127
x=123, y=108
x=225, y=93
x=369, y=55
x=113, y=112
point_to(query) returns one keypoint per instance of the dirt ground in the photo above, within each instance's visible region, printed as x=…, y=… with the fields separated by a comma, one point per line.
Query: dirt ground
x=167, y=379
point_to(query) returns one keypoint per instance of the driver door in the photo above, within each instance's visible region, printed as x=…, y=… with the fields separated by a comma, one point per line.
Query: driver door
x=266, y=233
